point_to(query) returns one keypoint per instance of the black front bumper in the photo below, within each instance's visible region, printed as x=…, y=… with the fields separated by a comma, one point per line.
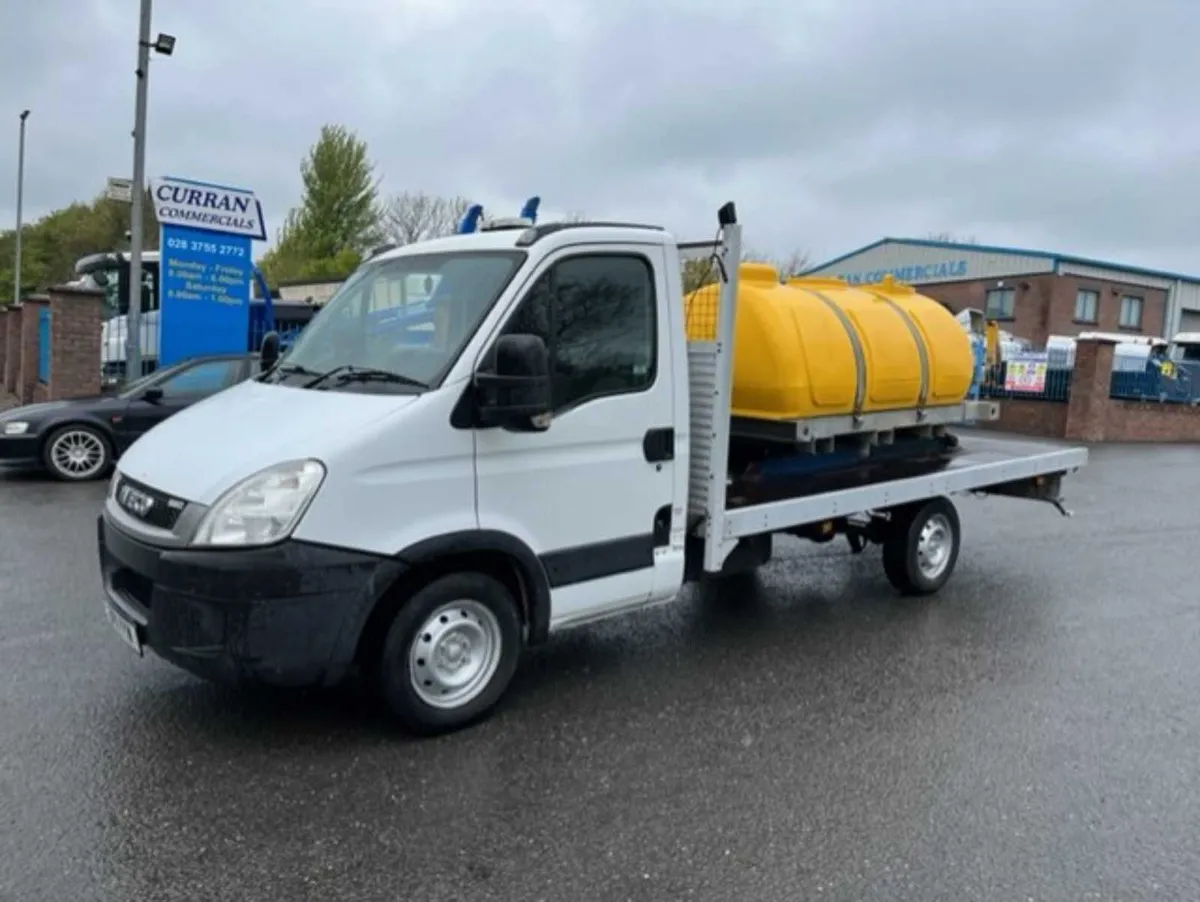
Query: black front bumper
x=19, y=451
x=287, y=615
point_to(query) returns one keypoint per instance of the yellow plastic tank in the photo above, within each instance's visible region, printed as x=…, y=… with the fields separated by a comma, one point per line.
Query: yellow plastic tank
x=817, y=347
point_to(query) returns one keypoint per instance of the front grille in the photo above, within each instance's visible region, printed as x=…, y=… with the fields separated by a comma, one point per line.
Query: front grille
x=147, y=504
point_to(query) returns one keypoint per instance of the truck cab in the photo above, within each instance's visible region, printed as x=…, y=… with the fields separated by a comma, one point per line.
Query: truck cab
x=538, y=434
x=540, y=447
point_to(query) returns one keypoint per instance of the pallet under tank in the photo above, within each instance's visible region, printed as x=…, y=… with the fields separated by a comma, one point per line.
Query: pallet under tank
x=817, y=360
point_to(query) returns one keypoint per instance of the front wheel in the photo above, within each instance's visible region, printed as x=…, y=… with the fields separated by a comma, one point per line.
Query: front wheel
x=77, y=453
x=921, y=546
x=450, y=653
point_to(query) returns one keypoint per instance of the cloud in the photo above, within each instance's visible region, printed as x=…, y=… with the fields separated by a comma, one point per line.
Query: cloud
x=1058, y=124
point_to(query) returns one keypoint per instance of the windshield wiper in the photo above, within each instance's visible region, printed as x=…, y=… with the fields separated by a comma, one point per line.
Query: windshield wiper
x=347, y=373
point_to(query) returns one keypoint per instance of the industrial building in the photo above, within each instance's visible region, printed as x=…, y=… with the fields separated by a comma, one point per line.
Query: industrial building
x=1033, y=294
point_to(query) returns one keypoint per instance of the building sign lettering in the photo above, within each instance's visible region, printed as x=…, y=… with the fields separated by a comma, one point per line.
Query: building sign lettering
x=910, y=272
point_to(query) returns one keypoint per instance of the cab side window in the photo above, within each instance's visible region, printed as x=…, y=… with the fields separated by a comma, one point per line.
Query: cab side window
x=596, y=314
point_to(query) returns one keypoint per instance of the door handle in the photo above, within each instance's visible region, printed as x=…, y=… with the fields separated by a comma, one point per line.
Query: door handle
x=659, y=444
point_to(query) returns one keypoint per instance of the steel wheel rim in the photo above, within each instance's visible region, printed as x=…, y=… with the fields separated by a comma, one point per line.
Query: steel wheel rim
x=455, y=654
x=934, y=546
x=78, y=453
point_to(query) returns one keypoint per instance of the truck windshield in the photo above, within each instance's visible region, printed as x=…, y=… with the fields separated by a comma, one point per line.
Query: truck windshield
x=402, y=321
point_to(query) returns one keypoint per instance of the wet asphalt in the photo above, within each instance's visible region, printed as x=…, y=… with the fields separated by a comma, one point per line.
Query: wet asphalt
x=1033, y=733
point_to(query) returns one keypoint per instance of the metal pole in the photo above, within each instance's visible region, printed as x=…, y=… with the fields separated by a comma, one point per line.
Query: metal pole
x=20, y=200
x=133, y=321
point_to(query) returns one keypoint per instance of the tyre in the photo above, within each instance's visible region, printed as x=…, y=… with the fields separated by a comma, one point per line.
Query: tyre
x=921, y=546
x=77, y=453
x=450, y=653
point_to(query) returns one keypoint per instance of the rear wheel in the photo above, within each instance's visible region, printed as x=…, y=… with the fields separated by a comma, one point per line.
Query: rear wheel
x=77, y=453
x=920, y=549
x=450, y=653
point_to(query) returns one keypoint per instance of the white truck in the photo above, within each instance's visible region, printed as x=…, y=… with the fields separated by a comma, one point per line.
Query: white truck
x=419, y=511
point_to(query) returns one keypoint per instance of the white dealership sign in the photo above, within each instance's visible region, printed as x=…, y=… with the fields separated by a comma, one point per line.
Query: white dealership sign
x=212, y=208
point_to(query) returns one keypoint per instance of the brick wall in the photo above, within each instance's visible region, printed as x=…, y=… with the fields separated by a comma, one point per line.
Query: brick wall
x=4, y=320
x=76, y=318
x=1043, y=418
x=27, y=377
x=12, y=353
x=1136, y=421
x=1096, y=417
x=1062, y=317
x=1090, y=388
x=1044, y=304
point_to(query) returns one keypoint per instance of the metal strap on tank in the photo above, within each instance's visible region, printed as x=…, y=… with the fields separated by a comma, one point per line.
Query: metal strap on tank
x=860, y=359
x=918, y=340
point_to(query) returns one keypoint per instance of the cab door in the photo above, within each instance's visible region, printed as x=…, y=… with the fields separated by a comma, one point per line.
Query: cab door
x=592, y=494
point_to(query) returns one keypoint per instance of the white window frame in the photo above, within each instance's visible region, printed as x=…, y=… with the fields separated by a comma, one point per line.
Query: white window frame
x=1131, y=301
x=1087, y=294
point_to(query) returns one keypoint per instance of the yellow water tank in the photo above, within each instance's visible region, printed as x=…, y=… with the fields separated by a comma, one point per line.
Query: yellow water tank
x=816, y=347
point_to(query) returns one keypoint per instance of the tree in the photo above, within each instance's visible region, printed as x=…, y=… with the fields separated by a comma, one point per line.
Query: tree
x=416, y=216
x=51, y=245
x=698, y=273
x=339, y=216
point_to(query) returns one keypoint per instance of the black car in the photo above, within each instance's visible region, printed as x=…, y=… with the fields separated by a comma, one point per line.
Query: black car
x=79, y=439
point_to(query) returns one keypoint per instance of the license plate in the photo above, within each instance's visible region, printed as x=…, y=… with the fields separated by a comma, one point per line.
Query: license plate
x=125, y=629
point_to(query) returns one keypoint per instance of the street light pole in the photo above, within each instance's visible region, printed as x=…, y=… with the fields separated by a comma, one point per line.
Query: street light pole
x=133, y=320
x=20, y=200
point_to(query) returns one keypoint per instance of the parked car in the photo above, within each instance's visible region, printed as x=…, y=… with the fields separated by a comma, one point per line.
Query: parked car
x=79, y=439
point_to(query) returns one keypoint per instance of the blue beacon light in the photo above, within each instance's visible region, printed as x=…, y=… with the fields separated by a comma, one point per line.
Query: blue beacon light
x=470, y=222
x=530, y=210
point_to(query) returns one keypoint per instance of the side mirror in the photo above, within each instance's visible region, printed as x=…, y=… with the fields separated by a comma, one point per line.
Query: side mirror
x=153, y=394
x=268, y=354
x=513, y=384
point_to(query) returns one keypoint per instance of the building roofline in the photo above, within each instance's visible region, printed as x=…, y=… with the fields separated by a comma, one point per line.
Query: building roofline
x=1053, y=257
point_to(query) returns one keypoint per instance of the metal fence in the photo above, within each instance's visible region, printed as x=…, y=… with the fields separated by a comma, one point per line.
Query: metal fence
x=1056, y=387
x=1180, y=387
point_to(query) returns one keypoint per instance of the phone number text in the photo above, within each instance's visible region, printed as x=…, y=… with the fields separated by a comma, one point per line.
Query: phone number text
x=205, y=247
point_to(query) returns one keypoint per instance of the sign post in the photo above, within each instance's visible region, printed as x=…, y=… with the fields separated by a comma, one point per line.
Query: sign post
x=206, y=245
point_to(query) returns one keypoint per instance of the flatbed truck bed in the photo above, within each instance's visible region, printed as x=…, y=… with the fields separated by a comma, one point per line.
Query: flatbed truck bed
x=999, y=466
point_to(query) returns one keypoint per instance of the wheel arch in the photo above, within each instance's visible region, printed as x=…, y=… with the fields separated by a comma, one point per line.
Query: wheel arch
x=497, y=554
x=96, y=423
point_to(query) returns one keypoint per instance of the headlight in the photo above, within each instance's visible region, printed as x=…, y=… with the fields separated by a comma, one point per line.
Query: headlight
x=263, y=508
x=16, y=428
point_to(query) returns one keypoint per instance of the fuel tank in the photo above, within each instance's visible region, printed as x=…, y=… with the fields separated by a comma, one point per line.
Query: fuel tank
x=817, y=347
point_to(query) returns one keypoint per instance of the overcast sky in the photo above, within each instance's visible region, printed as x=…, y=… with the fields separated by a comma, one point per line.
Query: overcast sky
x=1065, y=124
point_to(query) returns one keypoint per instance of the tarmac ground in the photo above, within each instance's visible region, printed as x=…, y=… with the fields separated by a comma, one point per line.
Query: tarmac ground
x=1032, y=733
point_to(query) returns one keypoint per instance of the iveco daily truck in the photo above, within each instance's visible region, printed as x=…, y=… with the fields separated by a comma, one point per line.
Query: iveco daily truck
x=550, y=449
